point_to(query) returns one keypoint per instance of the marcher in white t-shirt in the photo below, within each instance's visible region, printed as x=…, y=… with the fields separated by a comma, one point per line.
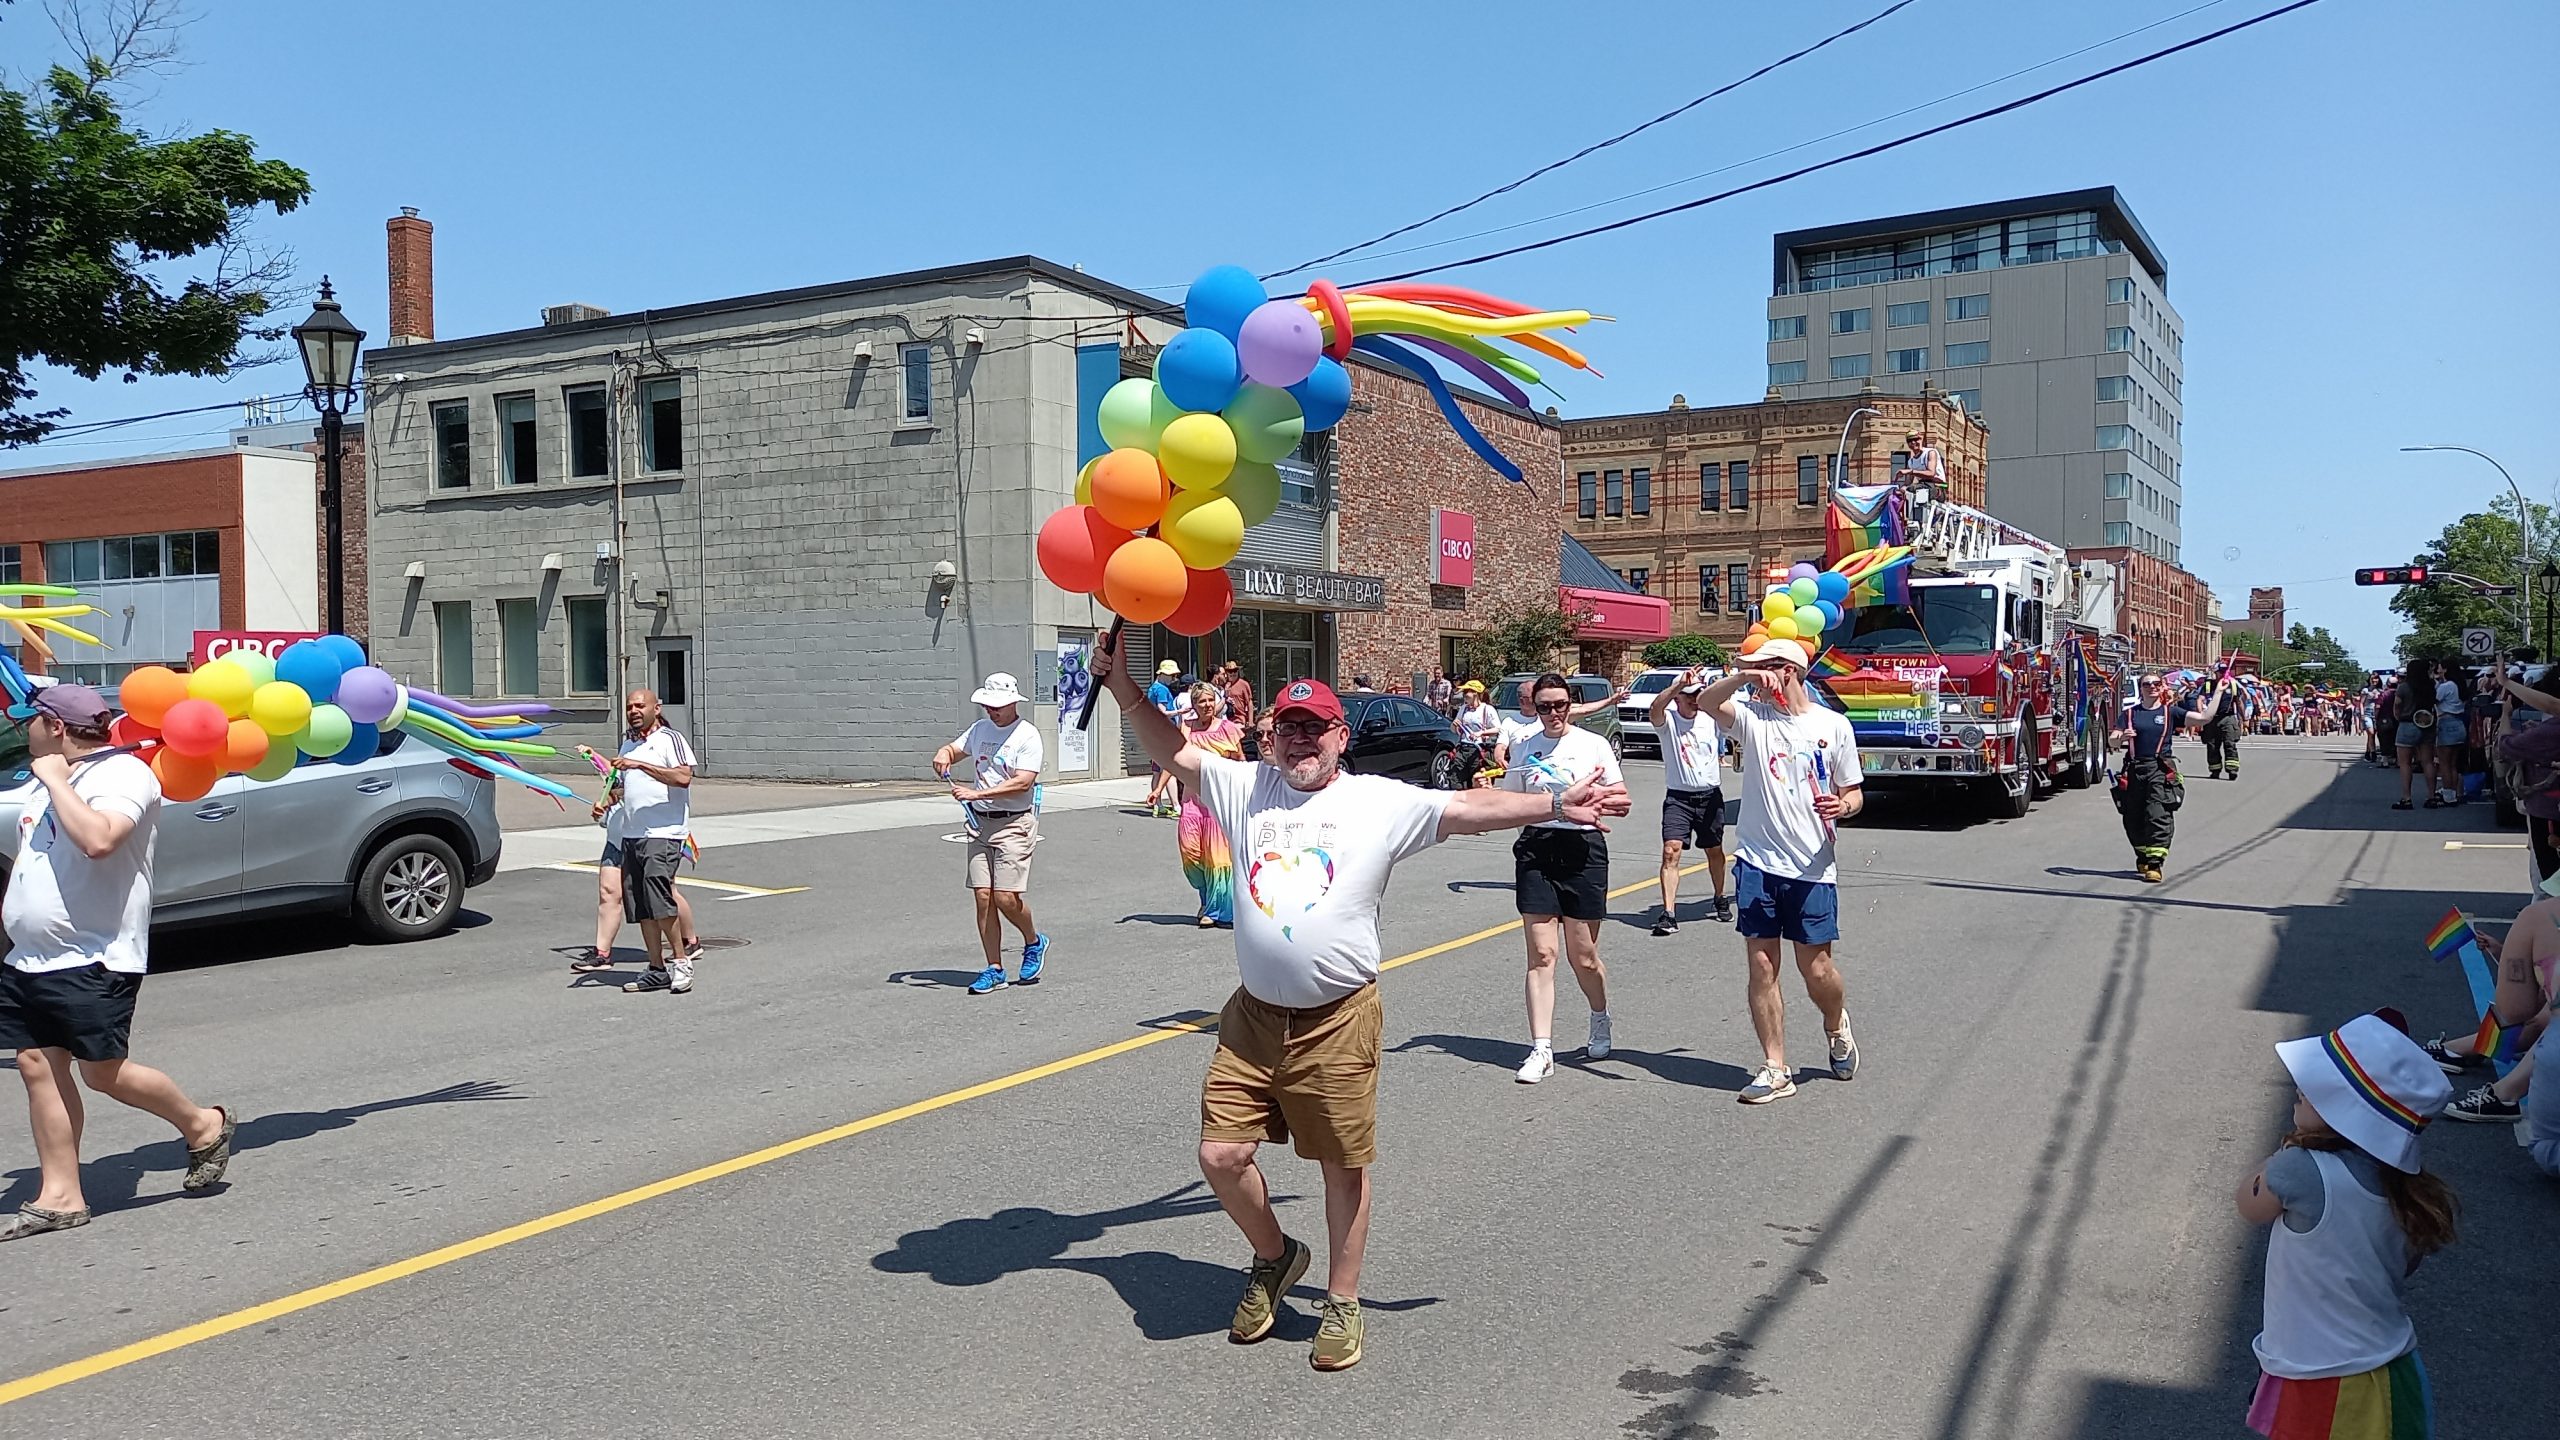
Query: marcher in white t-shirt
x=1560, y=873
x=1692, y=797
x=1004, y=754
x=1521, y=726
x=1297, y=1054
x=78, y=918
x=1800, y=778
x=653, y=778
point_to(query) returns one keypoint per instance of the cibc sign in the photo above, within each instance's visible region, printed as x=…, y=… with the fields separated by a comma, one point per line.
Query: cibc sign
x=1453, y=548
x=214, y=644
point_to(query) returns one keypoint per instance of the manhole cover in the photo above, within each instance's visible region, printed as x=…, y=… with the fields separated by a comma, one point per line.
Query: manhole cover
x=723, y=942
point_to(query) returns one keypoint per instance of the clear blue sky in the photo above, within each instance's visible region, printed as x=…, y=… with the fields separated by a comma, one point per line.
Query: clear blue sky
x=2351, y=199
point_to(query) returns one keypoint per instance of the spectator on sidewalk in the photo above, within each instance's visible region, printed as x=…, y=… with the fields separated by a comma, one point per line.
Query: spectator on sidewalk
x=1169, y=703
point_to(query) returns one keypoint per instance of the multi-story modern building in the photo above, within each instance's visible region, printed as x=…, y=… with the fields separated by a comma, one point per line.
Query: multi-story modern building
x=2048, y=316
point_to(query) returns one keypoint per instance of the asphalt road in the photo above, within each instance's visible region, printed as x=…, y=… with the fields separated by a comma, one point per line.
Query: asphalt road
x=447, y=1217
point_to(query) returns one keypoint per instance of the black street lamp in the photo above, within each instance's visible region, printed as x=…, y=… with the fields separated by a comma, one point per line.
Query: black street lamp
x=2549, y=575
x=329, y=344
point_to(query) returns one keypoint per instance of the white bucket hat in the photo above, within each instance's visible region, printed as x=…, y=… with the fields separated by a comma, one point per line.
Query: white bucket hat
x=999, y=691
x=2371, y=1084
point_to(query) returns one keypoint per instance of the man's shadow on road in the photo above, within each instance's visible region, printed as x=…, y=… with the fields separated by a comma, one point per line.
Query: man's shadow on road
x=1678, y=1066
x=1169, y=1297
x=113, y=1182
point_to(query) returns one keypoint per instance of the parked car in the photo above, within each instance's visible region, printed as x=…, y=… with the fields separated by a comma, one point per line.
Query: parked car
x=392, y=842
x=1586, y=688
x=1404, y=739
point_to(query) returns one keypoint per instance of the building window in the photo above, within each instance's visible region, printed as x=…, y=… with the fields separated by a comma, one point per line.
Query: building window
x=1808, y=479
x=1738, y=478
x=1786, y=327
x=1969, y=307
x=1850, y=367
x=2115, y=437
x=1737, y=587
x=589, y=662
x=1711, y=489
x=1614, y=483
x=1977, y=352
x=1915, y=313
x=2119, y=484
x=131, y=557
x=1970, y=400
x=1706, y=589
x=10, y=563
x=590, y=452
x=915, y=366
x=1850, y=322
x=517, y=452
x=519, y=662
x=2117, y=387
x=1640, y=577
x=453, y=443
x=2119, y=532
x=662, y=423
x=2119, y=339
x=1589, y=484
x=1903, y=362
x=195, y=552
x=1642, y=484
x=2120, y=290
x=1786, y=372
x=453, y=648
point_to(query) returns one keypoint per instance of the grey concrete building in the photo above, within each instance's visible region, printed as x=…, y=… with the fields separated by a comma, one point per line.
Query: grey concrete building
x=2048, y=316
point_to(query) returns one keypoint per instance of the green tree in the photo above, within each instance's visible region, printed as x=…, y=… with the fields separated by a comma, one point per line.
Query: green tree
x=2310, y=656
x=1684, y=651
x=2483, y=545
x=95, y=217
x=1521, y=638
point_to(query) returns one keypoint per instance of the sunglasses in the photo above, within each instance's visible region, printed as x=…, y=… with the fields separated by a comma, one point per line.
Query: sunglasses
x=1301, y=729
x=1554, y=707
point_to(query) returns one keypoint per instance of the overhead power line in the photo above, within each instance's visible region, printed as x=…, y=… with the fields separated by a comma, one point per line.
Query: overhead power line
x=1895, y=144
x=1595, y=146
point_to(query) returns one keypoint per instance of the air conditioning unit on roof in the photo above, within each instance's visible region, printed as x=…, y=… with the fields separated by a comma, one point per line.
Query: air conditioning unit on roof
x=572, y=314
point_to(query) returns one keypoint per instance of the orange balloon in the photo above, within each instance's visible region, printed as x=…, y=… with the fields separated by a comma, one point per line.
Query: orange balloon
x=1753, y=642
x=183, y=777
x=245, y=746
x=1207, y=598
x=147, y=693
x=1129, y=489
x=1072, y=546
x=1143, y=581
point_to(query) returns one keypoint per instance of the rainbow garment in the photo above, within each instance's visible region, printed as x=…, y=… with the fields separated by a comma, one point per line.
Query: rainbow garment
x=2392, y=1403
x=1207, y=862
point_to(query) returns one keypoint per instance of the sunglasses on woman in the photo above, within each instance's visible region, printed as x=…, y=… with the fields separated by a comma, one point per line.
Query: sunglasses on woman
x=1554, y=707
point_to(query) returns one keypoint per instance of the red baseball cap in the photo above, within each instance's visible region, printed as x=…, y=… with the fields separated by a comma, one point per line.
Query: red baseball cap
x=1312, y=696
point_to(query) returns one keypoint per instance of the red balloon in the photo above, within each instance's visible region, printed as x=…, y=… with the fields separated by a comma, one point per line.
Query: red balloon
x=1206, y=601
x=1073, y=545
x=184, y=777
x=196, y=728
x=129, y=731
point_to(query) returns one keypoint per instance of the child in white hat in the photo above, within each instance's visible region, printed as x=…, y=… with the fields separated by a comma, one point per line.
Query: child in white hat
x=2352, y=1214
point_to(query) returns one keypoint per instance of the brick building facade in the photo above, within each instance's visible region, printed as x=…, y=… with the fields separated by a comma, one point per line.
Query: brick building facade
x=1699, y=505
x=2166, y=612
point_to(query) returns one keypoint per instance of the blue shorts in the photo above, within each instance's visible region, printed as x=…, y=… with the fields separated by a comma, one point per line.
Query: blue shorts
x=1773, y=907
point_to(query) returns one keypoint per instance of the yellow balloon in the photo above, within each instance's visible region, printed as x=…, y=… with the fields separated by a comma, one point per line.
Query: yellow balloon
x=1783, y=628
x=1197, y=451
x=1084, y=481
x=224, y=683
x=1204, y=527
x=1255, y=489
x=1777, y=607
x=281, y=708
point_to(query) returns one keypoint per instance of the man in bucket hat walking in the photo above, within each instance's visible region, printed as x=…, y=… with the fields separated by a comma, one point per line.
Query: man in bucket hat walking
x=1004, y=752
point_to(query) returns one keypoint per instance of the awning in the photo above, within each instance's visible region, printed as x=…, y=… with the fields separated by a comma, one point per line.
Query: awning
x=1611, y=615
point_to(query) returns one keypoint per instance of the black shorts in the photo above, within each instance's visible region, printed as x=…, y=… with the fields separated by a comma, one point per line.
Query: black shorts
x=649, y=878
x=1695, y=818
x=87, y=1010
x=1561, y=872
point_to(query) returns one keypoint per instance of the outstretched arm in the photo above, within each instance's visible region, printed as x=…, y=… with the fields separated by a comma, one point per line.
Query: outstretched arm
x=1474, y=812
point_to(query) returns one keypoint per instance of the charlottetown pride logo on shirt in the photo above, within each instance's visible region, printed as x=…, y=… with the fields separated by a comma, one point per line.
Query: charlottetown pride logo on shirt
x=1287, y=879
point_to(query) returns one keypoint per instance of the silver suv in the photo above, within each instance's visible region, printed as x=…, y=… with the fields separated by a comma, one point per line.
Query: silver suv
x=391, y=842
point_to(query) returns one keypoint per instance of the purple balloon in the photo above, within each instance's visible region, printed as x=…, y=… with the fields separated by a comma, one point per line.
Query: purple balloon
x=1279, y=343
x=367, y=694
x=1802, y=571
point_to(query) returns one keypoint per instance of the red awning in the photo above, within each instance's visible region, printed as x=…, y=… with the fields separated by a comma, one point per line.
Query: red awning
x=1610, y=615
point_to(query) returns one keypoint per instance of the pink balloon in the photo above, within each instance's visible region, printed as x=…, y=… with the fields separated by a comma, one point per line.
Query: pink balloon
x=1279, y=343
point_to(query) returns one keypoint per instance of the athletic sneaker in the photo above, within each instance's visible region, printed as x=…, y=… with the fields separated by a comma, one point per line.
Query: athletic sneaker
x=1338, y=1335
x=650, y=982
x=591, y=961
x=2484, y=1106
x=1666, y=924
x=1844, y=1055
x=1540, y=1064
x=2441, y=1051
x=1266, y=1285
x=1033, y=956
x=989, y=981
x=680, y=977
x=1774, y=1082
x=1598, y=1049
x=1724, y=908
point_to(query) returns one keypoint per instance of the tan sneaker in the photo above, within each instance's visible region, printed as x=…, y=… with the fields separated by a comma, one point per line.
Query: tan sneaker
x=1338, y=1336
x=1266, y=1286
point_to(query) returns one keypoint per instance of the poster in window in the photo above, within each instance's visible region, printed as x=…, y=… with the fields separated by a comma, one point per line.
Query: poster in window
x=1075, y=745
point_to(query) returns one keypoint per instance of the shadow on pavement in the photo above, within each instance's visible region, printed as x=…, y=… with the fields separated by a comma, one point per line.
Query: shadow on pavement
x=112, y=1182
x=1185, y=922
x=1677, y=1066
x=192, y=947
x=934, y=979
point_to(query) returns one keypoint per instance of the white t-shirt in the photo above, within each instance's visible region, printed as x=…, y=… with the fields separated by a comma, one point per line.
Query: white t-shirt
x=998, y=753
x=1516, y=728
x=1551, y=766
x=650, y=808
x=1310, y=868
x=1692, y=750
x=1786, y=760
x=1479, y=721
x=66, y=910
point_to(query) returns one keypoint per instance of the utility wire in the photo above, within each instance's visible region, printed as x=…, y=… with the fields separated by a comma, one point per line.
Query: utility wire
x=1878, y=149
x=1595, y=146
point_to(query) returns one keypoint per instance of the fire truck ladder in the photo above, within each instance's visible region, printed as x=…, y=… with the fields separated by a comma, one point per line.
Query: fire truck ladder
x=1952, y=533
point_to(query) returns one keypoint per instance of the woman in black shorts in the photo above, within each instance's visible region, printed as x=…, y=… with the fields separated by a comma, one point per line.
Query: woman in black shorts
x=1560, y=872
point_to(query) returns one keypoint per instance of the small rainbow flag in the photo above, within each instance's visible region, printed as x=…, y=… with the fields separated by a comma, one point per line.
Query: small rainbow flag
x=2501, y=1043
x=2450, y=935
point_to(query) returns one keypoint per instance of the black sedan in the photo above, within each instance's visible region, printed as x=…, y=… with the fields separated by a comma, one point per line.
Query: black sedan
x=1403, y=739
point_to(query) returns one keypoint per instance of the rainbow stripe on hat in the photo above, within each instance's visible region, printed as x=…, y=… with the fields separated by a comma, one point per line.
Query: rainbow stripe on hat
x=2450, y=935
x=2501, y=1043
x=2364, y=1086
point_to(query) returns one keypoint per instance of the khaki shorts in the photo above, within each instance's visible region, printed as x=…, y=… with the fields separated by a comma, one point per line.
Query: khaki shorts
x=1000, y=853
x=1305, y=1075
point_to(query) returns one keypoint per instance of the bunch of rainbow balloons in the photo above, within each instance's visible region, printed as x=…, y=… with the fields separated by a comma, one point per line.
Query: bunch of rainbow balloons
x=1157, y=518
x=1810, y=602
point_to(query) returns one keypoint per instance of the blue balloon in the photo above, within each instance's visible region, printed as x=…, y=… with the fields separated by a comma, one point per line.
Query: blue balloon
x=1830, y=612
x=367, y=739
x=1325, y=394
x=1198, y=370
x=343, y=649
x=1831, y=586
x=1219, y=300
x=311, y=665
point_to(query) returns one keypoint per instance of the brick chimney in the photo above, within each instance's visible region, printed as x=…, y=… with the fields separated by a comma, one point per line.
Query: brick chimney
x=413, y=277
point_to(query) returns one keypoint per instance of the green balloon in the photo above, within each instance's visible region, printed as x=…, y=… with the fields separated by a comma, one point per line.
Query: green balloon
x=1255, y=487
x=278, y=764
x=261, y=666
x=1267, y=422
x=326, y=734
x=1803, y=592
x=1133, y=415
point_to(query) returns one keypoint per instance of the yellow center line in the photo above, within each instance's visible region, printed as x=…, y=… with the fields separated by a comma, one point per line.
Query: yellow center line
x=380, y=1275
x=731, y=887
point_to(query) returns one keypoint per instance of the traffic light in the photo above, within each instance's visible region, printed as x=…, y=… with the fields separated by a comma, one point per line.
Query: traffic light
x=2393, y=575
